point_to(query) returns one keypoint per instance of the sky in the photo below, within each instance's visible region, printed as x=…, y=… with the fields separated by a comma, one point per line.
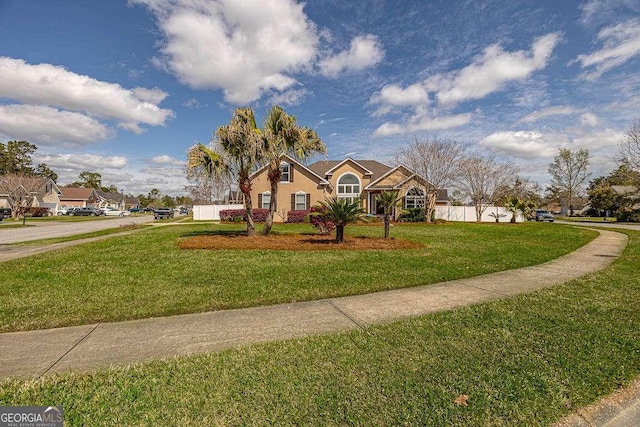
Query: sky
x=125, y=87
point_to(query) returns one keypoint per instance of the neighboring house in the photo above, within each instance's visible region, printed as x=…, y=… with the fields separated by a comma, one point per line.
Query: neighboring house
x=78, y=197
x=131, y=202
x=304, y=186
x=46, y=192
x=111, y=200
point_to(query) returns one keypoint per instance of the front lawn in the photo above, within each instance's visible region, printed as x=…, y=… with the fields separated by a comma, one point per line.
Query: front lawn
x=523, y=361
x=145, y=274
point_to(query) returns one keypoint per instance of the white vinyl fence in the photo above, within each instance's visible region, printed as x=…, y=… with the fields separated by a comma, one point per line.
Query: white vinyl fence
x=211, y=212
x=468, y=214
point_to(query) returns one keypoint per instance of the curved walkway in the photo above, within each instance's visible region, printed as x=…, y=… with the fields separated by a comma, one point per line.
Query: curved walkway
x=89, y=347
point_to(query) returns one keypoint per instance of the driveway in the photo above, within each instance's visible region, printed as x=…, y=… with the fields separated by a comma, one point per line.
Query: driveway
x=53, y=229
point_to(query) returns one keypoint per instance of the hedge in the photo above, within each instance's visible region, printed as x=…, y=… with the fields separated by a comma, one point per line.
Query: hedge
x=259, y=215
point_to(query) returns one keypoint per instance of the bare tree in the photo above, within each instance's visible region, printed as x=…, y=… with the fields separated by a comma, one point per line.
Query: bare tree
x=436, y=160
x=484, y=181
x=629, y=149
x=205, y=189
x=569, y=174
x=21, y=191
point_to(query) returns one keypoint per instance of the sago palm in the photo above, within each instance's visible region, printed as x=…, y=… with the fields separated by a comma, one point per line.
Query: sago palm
x=342, y=212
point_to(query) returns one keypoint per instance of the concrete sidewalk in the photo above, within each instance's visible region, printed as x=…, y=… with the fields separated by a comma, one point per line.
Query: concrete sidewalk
x=89, y=347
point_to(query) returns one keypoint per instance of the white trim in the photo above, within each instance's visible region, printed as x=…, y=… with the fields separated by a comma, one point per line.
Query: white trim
x=300, y=193
x=265, y=193
x=346, y=195
x=348, y=159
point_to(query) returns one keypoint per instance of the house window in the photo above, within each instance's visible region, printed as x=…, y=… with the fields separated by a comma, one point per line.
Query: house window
x=414, y=199
x=266, y=199
x=348, y=187
x=301, y=201
x=285, y=170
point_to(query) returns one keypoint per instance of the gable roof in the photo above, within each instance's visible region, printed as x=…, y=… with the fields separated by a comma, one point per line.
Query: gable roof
x=115, y=197
x=294, y=161
x=371, y=167
x=40, y=181
x=76, y=193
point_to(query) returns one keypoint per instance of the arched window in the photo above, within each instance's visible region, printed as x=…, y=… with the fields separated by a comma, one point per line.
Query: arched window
x=414, y=198
x=265, y=199
x=348, y=187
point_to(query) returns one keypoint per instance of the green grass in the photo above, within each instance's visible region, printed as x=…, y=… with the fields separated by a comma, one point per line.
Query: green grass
x=145, y=274
x=525, y=361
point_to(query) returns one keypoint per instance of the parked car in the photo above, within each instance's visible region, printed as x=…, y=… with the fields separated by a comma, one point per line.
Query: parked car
x=109, y=211
x=184, y=211
x=63, y=211
x=163, y=213
x=70, y=210
x=5, y=213
x=87, y=212
x=135, y=210
x=542, y=215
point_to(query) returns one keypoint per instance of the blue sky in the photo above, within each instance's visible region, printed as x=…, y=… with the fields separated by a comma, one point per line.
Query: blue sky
x=124, y=88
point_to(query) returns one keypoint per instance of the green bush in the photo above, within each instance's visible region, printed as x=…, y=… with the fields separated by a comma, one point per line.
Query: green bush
x=413, y=215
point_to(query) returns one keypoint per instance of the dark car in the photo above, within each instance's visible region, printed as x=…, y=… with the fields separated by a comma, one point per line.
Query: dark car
x=87, y=212
x=163, y=213
x=5, y=213
x=184, y=211
x=543, y=215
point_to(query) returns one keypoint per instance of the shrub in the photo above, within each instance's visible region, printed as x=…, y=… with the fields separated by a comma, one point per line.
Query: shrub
x=231, y=214
x=298, y=216
x=413, y=215
x=320, y=221
x=238, y=215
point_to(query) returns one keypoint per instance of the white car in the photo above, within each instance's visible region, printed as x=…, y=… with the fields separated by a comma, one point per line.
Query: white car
x=109, y=211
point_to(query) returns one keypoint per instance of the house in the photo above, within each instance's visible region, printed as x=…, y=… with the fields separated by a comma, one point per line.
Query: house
x=113, y=200
x=45, y=192
x=78, y=197
x=304, y=186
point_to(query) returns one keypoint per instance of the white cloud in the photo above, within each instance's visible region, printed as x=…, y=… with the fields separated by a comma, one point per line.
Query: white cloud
x=424, y=123
x=80, y=162
x=167, y=160
x=46, y=125
x=596, y=12
x=620, y=43
x=486, y=74
x=520, y=144
x=289, y=97
x=491, y=71
x=551, y=111
x=589, y=119
x=392, y=96
x=365, y=51
x=245, y=48
x=46, y=84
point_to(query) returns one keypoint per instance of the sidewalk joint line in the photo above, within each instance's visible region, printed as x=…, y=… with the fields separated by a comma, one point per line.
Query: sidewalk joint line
x=69, y=351
x=346, y=315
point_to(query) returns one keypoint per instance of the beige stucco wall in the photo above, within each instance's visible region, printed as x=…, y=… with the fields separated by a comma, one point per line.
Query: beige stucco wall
x=350, y=167
x=303, y=181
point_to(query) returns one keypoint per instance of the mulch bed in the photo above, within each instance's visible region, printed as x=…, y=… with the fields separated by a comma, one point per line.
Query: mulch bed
x=294, y=242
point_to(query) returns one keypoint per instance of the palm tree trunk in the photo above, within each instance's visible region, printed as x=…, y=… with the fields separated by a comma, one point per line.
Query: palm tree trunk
x=248, y=204
x=340, y=233
x=273, y=206
x=387, y=221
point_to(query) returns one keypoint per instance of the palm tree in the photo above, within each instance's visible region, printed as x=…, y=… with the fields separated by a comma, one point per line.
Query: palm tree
x=236, y=150
x=388, y=200
x=342, y=212
x=281, y=134
x=513, y=204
